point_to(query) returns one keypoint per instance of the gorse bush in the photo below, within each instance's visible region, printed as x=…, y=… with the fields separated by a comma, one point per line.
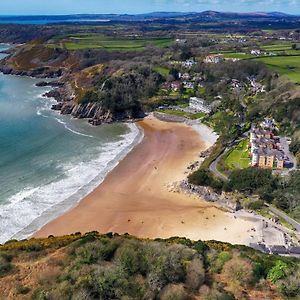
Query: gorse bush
x=97, y=266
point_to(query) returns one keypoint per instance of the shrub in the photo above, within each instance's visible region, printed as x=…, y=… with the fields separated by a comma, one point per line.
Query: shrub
x=130, y=258
x=204, y=178
x=290, y=286
x=23, y=290
x=222, y=258
x=252, y=180
x=278, y=271
x=238, y=272
x=195, y=274
x=5, y=265
x=256, y=205
x=90, y=253
x=174, y=292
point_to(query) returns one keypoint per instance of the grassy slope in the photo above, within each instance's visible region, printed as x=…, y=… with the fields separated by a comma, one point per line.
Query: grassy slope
x=238, y=157
x=285, y=65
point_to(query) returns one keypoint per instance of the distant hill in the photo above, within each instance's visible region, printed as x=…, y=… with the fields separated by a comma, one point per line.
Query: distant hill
x=163, y=16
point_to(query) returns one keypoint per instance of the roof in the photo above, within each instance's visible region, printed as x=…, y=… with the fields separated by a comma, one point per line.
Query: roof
x=279, y=249
x=259, y=247
x=294, y=250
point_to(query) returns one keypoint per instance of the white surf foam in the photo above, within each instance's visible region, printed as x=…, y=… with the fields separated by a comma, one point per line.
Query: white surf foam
x=32, y=208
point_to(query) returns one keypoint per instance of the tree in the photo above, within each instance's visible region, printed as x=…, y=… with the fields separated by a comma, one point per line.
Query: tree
x=238, y=271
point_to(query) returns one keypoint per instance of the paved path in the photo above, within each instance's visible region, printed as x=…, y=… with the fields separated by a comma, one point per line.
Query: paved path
x=283, y=215
x=214, y=170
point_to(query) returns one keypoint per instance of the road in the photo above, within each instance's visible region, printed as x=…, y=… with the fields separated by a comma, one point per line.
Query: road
x=288, y=219
x=285, y=146
x=213, y=166
x=214, y=170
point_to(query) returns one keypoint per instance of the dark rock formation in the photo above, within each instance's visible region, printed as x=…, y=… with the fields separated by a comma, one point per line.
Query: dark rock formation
x=42, y=72
x=50, y=83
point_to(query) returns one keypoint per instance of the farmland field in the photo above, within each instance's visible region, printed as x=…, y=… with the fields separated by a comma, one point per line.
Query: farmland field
x=285, y=65
x=96, y=41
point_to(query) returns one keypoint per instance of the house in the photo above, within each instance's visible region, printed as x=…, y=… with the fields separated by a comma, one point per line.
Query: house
x=176, y=85
x=188, y=85
x=215, y=59
x=185, y=76
x=199, y=104
x=188, y=63
x=181, y=41
x=265, y=147
x=256, y=52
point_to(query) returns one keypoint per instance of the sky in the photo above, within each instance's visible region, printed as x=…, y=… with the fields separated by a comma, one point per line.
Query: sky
x=50, y=7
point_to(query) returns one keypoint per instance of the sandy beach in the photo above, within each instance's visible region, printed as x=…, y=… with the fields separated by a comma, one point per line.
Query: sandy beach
x=135, y=198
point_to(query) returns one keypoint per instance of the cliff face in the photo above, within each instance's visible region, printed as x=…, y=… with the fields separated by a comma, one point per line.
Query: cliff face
x=39, y=61
x=87, y=85
x=35, y=60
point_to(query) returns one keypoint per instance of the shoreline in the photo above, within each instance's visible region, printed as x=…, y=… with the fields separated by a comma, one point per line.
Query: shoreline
x=69, y=203
x=135, y=197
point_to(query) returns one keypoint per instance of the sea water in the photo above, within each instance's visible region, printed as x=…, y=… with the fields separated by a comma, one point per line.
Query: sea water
x=48, y=162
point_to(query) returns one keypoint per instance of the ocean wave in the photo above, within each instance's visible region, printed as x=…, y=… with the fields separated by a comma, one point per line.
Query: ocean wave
x=32, y=208
x=70, y=129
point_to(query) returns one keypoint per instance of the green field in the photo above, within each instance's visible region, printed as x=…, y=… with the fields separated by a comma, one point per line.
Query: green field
x=238, y=55
x=285, y=65
x=96, y=41
x=277, y=47
x=238, y=157
x=162, y=71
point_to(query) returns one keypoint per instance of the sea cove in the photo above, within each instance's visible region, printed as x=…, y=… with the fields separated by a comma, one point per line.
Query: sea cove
x=45, y=165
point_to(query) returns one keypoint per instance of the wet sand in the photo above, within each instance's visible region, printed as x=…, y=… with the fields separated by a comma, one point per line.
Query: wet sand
x=135, y=198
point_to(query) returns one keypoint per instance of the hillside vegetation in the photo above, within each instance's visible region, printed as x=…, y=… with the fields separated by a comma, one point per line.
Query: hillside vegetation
x=110, y=266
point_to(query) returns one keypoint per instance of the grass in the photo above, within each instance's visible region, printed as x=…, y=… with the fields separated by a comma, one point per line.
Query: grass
x=97, y=41
x=184, y=114
x=162, y=71
x=277, y=47
x=238, y=157
x=285, y=65
x=238, y=55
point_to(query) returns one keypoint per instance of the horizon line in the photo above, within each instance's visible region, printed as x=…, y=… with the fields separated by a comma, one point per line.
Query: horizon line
x=146, y=13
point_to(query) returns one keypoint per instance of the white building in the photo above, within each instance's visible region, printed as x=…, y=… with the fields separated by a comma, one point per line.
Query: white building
x=215, y=59
x=199, y=104
x=256, y=52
